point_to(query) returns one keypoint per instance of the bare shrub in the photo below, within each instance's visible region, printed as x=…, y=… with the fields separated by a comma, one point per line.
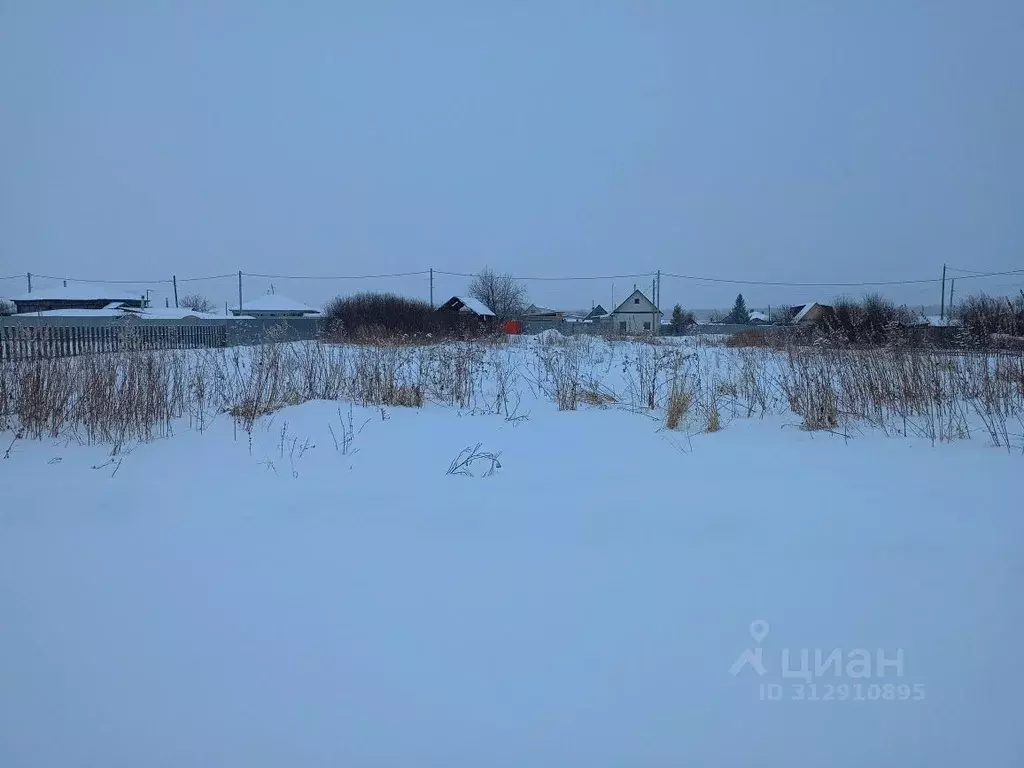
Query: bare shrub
x=376, y=315
x=872, y=321
x=346, y=435
x=197, y=303
x=561, y=371
x=983, y=316
x=317, y=371
x=259, y=383
x=649, y=371
x=452, y=373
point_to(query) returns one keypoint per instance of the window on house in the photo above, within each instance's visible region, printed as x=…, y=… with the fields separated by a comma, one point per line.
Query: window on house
x=647, y=326
x=622, y=327
x=636, y=301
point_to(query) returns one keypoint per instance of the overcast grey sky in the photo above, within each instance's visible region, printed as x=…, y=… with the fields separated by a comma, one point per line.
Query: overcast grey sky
x=803, y=140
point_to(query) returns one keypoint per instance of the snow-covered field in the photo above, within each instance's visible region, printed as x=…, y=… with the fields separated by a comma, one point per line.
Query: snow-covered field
x=323, y=594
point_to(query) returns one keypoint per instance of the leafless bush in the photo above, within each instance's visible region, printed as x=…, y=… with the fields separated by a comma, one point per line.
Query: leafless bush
x=649, y=372
x=452, y=373
x=505, y=375
x=871, y=321
x=982, y=316
x=369, y=317
x=561, y=370
x=259, y=378
x=197, y=303
x=346, y=429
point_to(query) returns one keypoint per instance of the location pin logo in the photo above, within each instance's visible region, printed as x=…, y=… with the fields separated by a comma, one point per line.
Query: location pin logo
x=758, y=630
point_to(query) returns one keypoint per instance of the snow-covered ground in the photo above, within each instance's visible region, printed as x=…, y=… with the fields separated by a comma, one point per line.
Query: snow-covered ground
x=296, y=600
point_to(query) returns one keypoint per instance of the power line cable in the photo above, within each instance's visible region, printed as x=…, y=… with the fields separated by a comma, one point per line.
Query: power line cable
x=964, y=275
x=334, y=276
x=801, y=285
x=209, y=277
x=919, y=281
x=970, y=274
x=109, y=282
x=556, y=279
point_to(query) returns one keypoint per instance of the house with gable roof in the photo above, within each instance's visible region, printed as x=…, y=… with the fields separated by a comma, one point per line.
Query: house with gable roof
x=636, y=315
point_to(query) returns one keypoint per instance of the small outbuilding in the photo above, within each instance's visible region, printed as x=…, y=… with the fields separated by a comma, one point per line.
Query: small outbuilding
x=466, y=312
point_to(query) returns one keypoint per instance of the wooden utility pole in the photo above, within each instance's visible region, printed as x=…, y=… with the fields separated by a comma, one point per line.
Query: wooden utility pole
x=174, y=279
x=431, y=287
x=942, y=306
x=239, y=291
x=30, y=282
x=952, y=285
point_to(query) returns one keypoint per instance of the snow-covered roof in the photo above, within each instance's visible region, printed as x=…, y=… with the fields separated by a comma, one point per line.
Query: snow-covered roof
x=115, y=310
x=758, y=316
x=803, y=311
x=172, y=313
x=475, y=306
x=79, y=292
x=628, y=302
x=535, y=310
x=275, y=302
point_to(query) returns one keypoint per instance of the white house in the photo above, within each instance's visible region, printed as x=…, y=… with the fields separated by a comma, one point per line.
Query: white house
x=636, y=315
x=275, y=305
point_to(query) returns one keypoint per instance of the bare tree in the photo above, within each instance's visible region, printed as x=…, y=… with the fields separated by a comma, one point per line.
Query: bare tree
x=783, y=316
x=502, y=294
x=197, y=303
x=7, y=307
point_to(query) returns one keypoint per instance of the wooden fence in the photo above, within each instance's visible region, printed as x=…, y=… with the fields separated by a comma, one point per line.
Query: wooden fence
x=28, y=338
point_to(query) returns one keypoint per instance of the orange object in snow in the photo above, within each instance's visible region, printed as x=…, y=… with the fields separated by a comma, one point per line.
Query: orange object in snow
x=513, y=327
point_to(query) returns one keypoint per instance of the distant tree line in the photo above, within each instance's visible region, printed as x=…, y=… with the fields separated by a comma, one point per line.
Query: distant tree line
x=872, y=320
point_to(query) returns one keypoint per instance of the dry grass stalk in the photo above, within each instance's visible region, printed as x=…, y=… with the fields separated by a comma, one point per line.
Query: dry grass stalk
x=679, y=402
